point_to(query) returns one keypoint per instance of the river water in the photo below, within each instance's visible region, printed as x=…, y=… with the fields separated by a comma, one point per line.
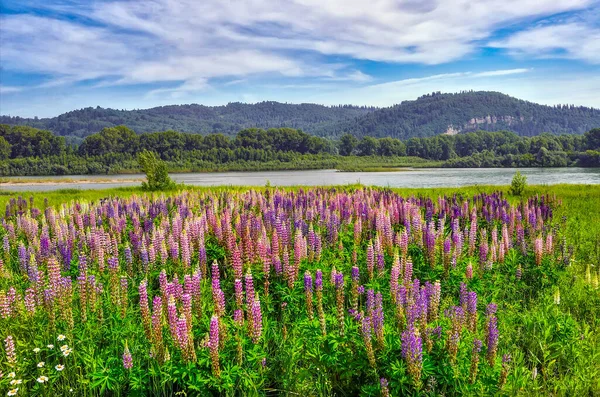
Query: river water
x=411, y=178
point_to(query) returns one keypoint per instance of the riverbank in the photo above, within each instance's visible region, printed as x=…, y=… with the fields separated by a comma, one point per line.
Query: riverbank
x=401, y=177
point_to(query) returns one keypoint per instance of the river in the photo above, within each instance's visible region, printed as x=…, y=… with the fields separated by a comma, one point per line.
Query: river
x=411, y=178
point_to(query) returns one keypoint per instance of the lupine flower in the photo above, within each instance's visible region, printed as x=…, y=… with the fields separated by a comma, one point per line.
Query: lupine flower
x=474, y=360
x=506, y=360
x=339, y=298
x=127, y=359
x=308, y=291
x=9, y=346
x=213, y=345
x=412, y=352
x=256, y=319
x=492, y=338
x=366, y=334
x=319, y=293
x=469, y=271
x=385, y=392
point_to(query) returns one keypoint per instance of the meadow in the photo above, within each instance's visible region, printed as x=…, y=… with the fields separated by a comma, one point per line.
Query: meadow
x=316, y=291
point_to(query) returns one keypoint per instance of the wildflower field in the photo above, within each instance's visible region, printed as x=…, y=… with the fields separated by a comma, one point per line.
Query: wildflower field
x=303, y=291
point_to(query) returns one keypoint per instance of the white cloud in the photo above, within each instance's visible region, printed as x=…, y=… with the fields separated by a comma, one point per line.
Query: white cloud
x=9, y=89
x=570, y=40
x=505, y=72
x=181, y=40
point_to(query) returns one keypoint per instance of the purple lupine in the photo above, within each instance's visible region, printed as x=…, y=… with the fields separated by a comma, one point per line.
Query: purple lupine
x=378, y=318
x=471, y=309
x=366, y=334
x=339, y=298
x=519, y=272
x=492, y=339
x=434, y=292
x=474, y=360
x=412, y=352
x=370, y=302
x=385, y=392
x=506, y=360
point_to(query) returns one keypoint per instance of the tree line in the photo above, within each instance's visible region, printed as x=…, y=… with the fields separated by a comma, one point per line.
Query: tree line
x=30, y=151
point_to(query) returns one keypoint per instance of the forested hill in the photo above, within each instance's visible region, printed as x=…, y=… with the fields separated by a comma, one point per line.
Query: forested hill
x=429, y=115
x=438, y=113
x=227, y=119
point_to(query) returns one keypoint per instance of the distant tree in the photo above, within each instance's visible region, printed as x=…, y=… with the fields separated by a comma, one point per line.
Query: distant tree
x=592, y=139
x=348, y=143
x=367, y=146
x=157, y=176
x=5, y=149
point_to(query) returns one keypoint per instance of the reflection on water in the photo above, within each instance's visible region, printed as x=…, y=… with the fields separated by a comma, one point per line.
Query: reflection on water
x=414, y=178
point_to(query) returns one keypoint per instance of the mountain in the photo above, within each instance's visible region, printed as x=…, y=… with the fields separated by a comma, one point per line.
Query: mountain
x=428, y=115
x=438, y=113
x=227, y=119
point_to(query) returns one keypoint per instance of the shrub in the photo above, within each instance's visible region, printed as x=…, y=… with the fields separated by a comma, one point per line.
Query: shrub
x=157, y=176
x=518, y=184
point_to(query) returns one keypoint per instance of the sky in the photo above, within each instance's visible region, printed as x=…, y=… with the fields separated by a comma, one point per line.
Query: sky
x=61, y=55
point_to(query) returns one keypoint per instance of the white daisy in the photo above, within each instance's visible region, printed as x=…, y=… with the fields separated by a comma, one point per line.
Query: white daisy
x=61, y=337
x=41, y=364
x=16, y=382
x=13, y=392
x=36, y=350
x=50, y=347
x=42, y=379
x=60, y=367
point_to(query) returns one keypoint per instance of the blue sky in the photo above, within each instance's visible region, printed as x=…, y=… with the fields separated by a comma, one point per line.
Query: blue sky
x=57, y=56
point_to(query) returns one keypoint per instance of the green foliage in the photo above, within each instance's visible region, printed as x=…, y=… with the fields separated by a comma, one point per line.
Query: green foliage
x=5, y=149
x=518, y=184
x=157, y=175
x=113, y=150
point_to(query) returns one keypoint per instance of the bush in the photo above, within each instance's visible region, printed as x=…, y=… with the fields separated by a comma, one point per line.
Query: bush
x=157, y=176
x=518, y=184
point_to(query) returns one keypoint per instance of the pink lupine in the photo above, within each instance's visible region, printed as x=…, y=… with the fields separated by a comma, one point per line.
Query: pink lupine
x=370, y=260
x=145, y=309
x=538, y=250
x=9, y=347
x=256, y=319
x=127, y=359
x=213, y=345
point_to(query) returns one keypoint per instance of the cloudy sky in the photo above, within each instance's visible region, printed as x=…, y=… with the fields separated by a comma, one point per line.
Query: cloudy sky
x=58, y=56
